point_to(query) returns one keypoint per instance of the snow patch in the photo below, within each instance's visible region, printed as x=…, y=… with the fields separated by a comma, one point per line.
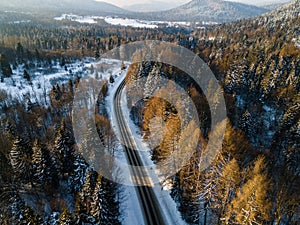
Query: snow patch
x=20, y=21
x=79, y=19
x=130, y=22
x=127, y=22
x=42, y=80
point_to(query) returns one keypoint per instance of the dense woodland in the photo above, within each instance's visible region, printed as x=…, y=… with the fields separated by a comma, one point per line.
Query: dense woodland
x=255, y=177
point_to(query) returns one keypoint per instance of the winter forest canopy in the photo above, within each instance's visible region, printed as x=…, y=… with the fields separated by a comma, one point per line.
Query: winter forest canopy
x=255, y=177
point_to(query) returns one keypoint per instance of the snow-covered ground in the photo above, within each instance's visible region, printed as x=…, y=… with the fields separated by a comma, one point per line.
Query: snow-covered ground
x=20, y=21
x=79, y=19
x=297, y=42
x=42, y=80
x=127, y=22
x=130, y=22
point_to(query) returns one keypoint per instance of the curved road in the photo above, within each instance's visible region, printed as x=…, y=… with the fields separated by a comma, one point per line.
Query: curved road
x=150, y=206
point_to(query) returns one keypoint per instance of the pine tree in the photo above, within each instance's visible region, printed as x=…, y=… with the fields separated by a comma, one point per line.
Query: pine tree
x=63, y=144
x=77, y=80
x=90, y=145
x=66, y=218
x=26, y=75
x=227, y=184
x=10, y=129
x=96, y=205
x=97, y=53
x=10, y=133
x=110, y=208
x=71, y=88
x=78, y=177
x=20, y=158
x=5, y=67
x=20, y=53
x=111, y=79
x=84, y=199
x=39, y=163
x=104, y=89
x=92, y=69
x=252, y=204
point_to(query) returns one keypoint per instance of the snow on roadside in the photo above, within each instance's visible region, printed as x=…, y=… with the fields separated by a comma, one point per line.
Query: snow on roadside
x=130, y=208
x=133, y=213
x=162, y=192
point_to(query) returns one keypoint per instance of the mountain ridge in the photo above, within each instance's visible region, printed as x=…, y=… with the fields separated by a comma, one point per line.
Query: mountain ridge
x=196, y=10
x=63, y=6
x=213, y=10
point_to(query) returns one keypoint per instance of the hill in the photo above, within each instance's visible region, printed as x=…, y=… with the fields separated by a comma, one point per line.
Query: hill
x=196, y=10
x=62, y=6
x=210, y=10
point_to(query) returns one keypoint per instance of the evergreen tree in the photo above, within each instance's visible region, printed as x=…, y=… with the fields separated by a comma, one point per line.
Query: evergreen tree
x=104, y=89
x=92, y=69
x=90, y=145
x=63, y=149
x=66, y=218
x=5, y=67
x=96, y=205
x=252, y=204
x=10, y=130
x=111, y=79
x=84, y=199
x=20, y=53
x=20, y=158
x=39, y=163
x=97, y=53
x=78, y=178
x=227, y=184
x=77, y=80
x=110, y=208
x=71, y=88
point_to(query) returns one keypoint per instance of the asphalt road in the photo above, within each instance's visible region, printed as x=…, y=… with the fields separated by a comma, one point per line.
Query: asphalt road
x=148, y=200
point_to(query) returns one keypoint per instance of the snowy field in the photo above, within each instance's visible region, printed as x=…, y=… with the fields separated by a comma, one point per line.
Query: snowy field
x=42, y=80
x=79, y=19
x=127, y=22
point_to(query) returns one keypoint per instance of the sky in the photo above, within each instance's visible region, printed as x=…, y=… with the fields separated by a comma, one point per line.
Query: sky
x=122, y=3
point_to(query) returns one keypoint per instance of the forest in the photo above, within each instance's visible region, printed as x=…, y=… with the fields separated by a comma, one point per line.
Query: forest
x=255, y=177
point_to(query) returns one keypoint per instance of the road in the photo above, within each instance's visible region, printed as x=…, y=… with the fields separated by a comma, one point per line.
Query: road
x=148, y=200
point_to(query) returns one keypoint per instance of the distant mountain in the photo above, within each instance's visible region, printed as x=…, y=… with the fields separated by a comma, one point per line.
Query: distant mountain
x=151, y=7
x=63, y=6
x=210, y=10
x=196, y=10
